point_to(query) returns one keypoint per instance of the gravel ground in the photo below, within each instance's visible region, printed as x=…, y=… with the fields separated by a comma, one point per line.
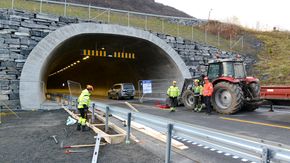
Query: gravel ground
x=28, y=139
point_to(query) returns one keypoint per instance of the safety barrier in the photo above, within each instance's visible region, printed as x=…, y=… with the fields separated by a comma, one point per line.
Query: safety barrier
x=252, y=149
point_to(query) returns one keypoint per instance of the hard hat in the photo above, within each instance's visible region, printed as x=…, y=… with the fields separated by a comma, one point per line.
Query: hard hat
x=206, y=78
x=174, y=82
x=196, y=80
x=89, y=87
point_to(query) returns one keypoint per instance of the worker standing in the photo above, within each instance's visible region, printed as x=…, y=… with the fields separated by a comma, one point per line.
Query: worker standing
x=83, y=106
x=173, y=92
x=197, y=90
x=207, y=93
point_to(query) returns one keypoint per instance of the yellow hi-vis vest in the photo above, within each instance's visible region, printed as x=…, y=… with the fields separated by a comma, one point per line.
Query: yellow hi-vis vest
x=84, y=99
x=173, y=91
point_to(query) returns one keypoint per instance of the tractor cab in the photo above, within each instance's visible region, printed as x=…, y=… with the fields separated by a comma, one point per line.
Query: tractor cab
x=226, y=68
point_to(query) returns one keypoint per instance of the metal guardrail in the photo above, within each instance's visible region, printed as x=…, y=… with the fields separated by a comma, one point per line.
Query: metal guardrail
x=252, y=149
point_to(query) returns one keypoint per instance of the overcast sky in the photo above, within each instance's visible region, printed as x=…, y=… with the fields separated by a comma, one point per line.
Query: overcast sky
x=268, y=13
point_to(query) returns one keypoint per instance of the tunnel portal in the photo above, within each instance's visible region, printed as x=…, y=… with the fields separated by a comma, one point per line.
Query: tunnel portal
x=96, y=54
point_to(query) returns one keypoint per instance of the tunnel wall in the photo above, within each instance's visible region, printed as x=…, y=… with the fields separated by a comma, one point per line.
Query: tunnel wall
x=21, y=31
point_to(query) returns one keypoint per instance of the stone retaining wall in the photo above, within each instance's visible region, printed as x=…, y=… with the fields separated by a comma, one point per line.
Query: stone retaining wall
x=20, y=32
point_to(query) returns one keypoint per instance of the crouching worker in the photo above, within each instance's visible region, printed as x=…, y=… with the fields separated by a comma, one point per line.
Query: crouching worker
x=83, y=106
x=197, y=89
x=173, y=92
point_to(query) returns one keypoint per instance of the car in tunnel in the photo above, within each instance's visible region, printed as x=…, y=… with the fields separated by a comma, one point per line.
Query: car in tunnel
x=122, y=90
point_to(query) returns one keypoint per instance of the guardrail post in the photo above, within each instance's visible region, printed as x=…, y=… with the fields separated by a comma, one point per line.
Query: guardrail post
x=192, y=37
x=128, y=128
x=168, y=144
x=128, y=19
x=93, y=113
x=12, y=4
x=107, y=119
x=177, y=29
x=109, y=15
x=40, y=6
x=89, y=11
x=146, y=22
x=266, y=155
x=64, y=13
x=162, y=26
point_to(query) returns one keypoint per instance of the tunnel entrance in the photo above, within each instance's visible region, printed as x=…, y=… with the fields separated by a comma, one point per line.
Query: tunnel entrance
x=70, y=53
x=103, y=60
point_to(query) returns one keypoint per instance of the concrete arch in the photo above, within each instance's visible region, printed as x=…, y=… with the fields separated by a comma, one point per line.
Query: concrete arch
x=32, y=88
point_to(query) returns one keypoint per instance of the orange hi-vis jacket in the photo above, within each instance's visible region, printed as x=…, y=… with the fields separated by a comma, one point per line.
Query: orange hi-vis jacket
x=207, y=89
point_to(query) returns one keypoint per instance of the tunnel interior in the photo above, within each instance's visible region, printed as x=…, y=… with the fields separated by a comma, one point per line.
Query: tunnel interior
x=141, y=60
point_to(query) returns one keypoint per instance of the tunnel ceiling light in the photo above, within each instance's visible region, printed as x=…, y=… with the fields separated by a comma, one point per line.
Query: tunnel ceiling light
x=87, y=57
x=71, y=65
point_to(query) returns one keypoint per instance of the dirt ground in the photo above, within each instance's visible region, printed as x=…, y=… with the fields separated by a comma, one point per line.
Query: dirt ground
x=28, y=139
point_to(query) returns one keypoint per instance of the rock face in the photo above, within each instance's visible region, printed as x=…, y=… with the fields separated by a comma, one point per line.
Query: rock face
x=21, y=31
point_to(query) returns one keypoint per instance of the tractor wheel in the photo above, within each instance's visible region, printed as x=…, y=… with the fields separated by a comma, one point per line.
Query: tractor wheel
x=188, y=99
x=255, y=91
x=227, y=98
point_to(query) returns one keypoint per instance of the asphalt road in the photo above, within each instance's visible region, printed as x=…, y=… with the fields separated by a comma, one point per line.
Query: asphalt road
x=272, y=127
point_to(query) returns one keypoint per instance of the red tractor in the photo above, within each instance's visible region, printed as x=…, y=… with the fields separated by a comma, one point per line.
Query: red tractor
x=233, y=89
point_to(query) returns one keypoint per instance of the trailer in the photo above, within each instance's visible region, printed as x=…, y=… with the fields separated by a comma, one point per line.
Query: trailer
x=277, y=95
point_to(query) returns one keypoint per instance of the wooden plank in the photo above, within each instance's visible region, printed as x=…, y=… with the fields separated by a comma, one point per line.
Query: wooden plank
x=98, y=124
x=155, y=134
x=131, y=106
x=109, y=138
x=116, y=128
x=82, y=145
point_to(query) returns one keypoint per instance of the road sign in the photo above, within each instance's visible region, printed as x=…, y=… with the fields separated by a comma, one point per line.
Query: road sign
x=147, y=86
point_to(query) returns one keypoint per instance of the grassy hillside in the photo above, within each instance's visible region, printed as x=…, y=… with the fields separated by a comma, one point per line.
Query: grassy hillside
x=273, y=65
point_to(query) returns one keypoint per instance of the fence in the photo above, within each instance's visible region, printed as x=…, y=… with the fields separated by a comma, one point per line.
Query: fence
x=75, y=90
x=155, y=89
x=187, y=28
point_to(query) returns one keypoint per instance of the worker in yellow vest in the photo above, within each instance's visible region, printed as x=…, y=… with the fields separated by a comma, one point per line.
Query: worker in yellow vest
x=197, y=90
x=173, y=92
x=83, y=106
